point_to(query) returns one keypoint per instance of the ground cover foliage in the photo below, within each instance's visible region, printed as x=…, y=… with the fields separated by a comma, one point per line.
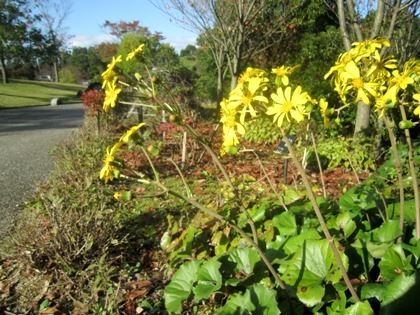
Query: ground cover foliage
x=175, y=222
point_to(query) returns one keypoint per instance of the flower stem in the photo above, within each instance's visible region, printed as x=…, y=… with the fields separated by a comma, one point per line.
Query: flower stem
x=412, y=172
x=320, y=217
x=398, y=168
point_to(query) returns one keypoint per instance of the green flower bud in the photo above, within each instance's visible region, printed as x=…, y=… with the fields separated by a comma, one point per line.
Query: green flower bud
x=153, y=150
x=405, y=124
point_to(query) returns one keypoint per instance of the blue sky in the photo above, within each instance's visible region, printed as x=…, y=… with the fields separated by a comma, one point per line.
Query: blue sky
x=86, y=18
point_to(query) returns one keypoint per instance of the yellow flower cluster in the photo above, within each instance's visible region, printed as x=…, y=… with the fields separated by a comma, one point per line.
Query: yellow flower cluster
x=110, y=170
x=249, y=100
x=110, y=78
x=363, y=73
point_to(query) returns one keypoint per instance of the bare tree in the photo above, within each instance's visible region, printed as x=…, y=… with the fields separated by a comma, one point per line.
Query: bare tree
x=52, y=15
x=229, y=28
x=394, y=20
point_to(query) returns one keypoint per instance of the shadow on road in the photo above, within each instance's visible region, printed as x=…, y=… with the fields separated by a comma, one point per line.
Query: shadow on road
x=40, y=118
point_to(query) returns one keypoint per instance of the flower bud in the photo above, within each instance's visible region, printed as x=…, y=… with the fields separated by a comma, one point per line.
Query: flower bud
x=153, y=149
x=405, y=124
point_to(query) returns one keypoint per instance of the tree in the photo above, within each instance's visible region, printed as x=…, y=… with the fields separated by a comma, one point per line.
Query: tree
x=52, y=16
x=386, y=18
x=232, y=31
x=15, y=16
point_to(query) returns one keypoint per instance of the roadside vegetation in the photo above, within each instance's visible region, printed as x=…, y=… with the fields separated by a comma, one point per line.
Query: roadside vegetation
x=176, y=197
x=20, y=93
x=175, y=215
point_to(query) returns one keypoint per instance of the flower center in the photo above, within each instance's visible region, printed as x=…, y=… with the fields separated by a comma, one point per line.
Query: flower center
x=230, y=121
x=287, y=106
x=358, y=83
x=246, y=100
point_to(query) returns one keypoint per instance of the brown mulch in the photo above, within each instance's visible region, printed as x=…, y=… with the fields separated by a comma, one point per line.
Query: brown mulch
x=199, y=163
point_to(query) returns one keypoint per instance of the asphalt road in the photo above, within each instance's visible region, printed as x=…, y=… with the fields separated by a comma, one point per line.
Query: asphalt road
x=26, y=137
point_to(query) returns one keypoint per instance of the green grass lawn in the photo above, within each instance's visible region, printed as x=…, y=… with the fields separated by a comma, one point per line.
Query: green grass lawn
x=20, y=93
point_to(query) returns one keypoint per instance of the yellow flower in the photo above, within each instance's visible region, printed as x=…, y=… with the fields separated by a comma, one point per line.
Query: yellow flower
x=109, y=74
x=246, y=95
x=107, y=172
x=111, y=95
x=282, y=74
x=287, y=105
x=323, y=105
x=135, y=52
x=417, y=98
x=371, y=45
x=250, y=73
x=129, y=133
x=401, y=80
x=353, y=80
x=381, y=68
x=389, y=97
x=230, y=126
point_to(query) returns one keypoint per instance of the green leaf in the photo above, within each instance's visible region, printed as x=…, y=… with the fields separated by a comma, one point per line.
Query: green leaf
x=373, y=249
x=409, y=209
x=311, y=295
x=310, y=268
x=394, y=263
x=359, y=308
x=245, y=259
x=344, y=221
x=285, y=223
x=209, y=279
x=387, y=232
x=180, y=287
x=292, y=244
x=372, y=290
x=256, y=300
x=398, y=287
x=356, y=199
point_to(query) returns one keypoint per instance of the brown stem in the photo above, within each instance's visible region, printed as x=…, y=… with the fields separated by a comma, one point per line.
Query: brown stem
x=320, y=217
x=321, y=172
x=270, y=182
x=228, y=180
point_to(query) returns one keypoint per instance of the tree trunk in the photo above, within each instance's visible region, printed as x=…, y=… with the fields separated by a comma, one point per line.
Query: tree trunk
x=3, y=71
x=55, y=64
x=362, y=117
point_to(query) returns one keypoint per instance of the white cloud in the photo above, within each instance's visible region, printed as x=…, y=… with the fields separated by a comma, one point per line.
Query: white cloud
x=180, y=43
x=83, y=40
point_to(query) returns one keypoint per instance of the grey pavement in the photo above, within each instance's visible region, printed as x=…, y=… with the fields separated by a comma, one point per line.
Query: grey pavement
x=27, y=136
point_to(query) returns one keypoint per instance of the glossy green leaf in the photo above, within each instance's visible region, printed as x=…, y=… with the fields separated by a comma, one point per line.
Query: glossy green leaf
x=245, y=259
x=256, y=300
x=356, y=199
x=394, y=263
x=388, y=231
x=359, y=308
x=346, y=224
x=180, y=287
x=209, y=279
x=310, y=268
x=292, y=244
x=311, y=295
x=398, y=288
x=285, y=223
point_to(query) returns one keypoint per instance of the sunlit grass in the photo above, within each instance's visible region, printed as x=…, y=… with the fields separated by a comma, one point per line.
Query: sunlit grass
x=19, y=93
